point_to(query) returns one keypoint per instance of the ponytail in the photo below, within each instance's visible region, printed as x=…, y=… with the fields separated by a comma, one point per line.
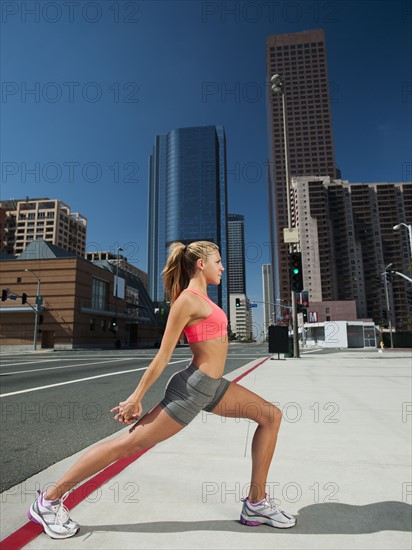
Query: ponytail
x=181, y=265
x=175, y=276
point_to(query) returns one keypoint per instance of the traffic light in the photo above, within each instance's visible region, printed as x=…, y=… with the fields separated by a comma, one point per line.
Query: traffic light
x=4, y=294
x=237, y=302
x=296, y=274
x=305, y=315
x=113, y=325
x=24, y=298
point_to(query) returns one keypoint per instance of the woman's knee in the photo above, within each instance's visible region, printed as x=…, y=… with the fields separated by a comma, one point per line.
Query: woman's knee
x=272, y=416
x=124, y=447
x=263, y=412
x=129, y=449
x=126, y=452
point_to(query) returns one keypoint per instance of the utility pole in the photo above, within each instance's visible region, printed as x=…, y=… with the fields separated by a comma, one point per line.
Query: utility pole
x=36, y=313
x=385, y=275
x=278, y=88
x=116, y=327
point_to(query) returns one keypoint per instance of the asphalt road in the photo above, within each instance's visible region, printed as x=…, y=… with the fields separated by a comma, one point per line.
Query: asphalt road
x=55, y=404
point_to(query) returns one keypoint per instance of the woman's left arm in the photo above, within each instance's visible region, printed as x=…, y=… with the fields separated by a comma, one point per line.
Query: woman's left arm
x=179, y=316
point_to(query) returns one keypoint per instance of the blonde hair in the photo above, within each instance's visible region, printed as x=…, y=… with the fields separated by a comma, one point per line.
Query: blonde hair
x=181, y=265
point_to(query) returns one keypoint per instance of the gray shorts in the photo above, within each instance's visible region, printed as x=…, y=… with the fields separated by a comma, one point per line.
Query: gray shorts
x=189, y=391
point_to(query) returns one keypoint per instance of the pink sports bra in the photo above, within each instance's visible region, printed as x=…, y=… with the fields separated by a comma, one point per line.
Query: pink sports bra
x=213, y=326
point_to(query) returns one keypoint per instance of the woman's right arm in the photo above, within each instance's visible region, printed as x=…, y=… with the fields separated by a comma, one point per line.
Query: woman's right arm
x=179, y=316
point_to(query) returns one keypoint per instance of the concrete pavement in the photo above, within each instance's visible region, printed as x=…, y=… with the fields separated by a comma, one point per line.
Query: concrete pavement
x=342, y=466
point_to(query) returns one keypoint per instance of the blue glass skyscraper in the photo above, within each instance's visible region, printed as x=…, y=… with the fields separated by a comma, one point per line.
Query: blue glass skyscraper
x=187, y=199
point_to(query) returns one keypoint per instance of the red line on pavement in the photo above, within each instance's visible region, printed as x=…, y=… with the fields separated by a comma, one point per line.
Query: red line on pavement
x=31, y=530
x=250, y=370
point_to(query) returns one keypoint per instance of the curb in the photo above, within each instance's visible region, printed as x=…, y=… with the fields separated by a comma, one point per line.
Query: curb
x=29, y=531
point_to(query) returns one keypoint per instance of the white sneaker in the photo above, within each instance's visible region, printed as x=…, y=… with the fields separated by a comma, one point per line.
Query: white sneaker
x=265, y=512
x=54, y=517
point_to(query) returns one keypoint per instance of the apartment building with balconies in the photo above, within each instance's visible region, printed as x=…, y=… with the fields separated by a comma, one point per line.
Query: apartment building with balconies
x=49, y=219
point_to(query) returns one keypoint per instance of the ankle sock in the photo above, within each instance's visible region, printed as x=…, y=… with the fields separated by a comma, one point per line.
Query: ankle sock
x=46, y=502
x=257, y=503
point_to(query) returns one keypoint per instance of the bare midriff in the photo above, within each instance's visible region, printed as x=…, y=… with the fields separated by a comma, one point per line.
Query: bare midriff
x=210, y=356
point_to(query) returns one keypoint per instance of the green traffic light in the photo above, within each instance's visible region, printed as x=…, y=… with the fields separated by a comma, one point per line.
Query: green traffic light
x=295, y=271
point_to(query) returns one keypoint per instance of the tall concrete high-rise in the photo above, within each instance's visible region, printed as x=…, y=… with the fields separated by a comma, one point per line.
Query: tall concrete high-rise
x=300, y=60
x=236, y=254
x=187, y=199
x=240, y=317
x=347, y=239
x=25, y=220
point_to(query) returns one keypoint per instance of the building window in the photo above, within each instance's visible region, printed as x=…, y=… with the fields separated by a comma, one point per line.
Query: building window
x=99, y=294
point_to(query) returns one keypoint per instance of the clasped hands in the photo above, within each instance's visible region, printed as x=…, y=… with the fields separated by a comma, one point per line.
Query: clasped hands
x=127, y=411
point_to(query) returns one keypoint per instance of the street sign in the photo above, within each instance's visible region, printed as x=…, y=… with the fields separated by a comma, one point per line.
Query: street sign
x=291, y=235
x=252, y=305
x=313, y=316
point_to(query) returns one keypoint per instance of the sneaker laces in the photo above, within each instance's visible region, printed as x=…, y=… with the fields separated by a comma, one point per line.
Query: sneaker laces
x=276, y=508
x=268, y=501
x=272, y=505
x=61, y=511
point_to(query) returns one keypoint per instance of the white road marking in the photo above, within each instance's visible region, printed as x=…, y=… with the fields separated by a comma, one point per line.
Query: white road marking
x=66, y=366
x=68, y=358
x=80, y=380
x=29, y=362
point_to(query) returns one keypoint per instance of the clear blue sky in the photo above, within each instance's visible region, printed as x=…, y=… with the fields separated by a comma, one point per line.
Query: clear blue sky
x=107, y=76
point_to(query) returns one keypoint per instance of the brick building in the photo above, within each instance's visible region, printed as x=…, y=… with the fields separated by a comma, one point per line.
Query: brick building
x=78, y=302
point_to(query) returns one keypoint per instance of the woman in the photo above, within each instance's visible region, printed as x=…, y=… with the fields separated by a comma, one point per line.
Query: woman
x=188, y=271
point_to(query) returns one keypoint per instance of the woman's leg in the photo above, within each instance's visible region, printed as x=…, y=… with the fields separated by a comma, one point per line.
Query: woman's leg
x=154, y=427
x=239, y=402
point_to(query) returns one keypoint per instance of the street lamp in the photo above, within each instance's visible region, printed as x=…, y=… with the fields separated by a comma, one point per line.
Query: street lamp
x=278, y=88
x=409, y=228
x=36, y=318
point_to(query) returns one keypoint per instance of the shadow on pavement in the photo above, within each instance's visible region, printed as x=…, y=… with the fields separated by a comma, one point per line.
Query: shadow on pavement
x=317, y=519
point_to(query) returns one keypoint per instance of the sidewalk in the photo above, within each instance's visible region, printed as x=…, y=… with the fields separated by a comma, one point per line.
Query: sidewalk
x=342, y=465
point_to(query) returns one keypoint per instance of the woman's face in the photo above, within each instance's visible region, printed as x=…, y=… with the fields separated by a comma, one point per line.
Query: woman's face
x=213, y=268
